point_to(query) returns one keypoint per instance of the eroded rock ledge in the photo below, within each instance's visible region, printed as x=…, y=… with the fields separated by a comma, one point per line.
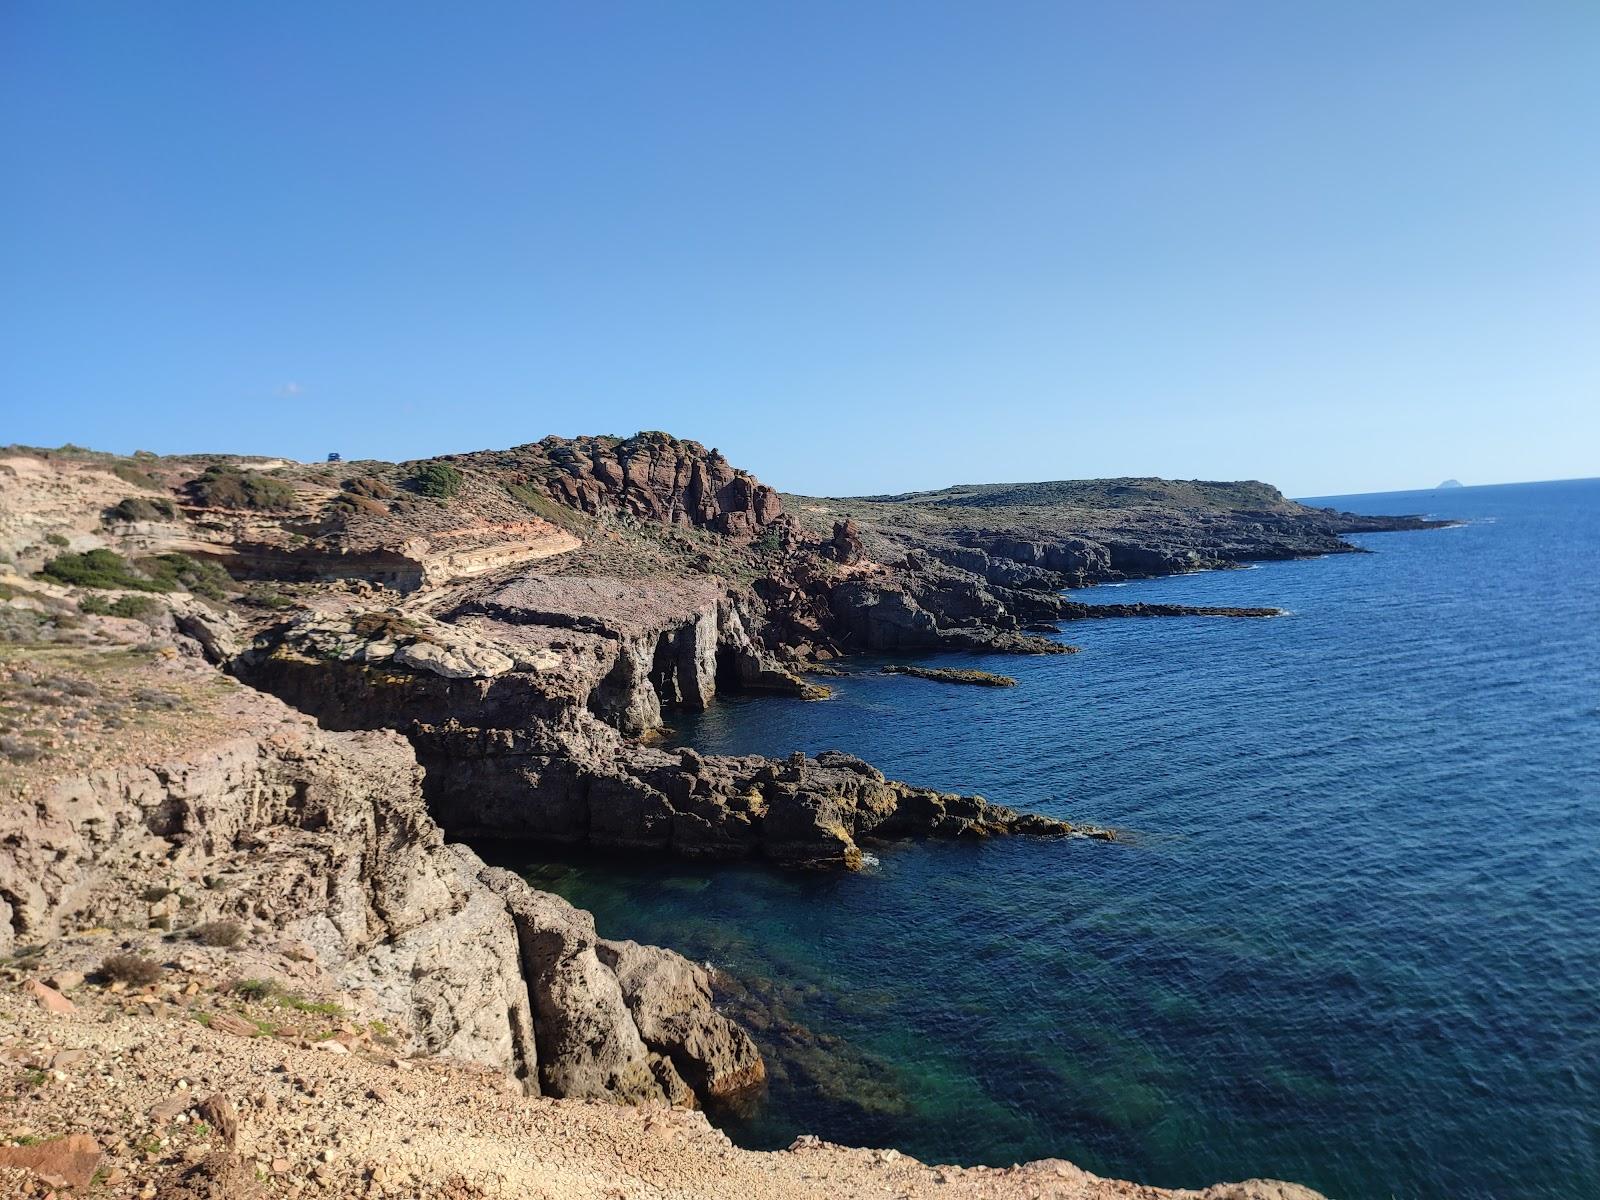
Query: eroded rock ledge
x=518, y=718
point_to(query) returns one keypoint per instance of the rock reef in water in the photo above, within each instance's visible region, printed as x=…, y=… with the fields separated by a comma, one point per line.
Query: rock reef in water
x=952, y=675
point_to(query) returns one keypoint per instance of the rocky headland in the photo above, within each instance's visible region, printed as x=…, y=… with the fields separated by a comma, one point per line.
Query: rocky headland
x=256, y=712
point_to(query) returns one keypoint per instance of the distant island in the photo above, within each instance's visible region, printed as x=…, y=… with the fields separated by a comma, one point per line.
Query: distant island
x=1449, y=483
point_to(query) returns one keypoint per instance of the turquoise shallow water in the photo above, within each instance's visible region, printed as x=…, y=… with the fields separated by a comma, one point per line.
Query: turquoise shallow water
x=1356, y=942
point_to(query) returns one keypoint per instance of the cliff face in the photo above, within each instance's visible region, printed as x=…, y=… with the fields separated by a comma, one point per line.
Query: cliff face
x=520, y=723
x=321, y=843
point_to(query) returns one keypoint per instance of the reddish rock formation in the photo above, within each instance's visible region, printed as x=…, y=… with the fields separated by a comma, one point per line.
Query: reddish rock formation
x=845, y=545
x=68, y=1162
x=660, y=478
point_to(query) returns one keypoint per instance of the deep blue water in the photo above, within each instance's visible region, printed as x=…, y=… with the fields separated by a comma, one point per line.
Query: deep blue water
x=1355, y=941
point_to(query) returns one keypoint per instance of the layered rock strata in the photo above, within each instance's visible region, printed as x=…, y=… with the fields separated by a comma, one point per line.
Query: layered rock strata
x=516, y=747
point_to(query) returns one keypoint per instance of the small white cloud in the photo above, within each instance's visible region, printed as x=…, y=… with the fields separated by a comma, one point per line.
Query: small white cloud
x=290, y=389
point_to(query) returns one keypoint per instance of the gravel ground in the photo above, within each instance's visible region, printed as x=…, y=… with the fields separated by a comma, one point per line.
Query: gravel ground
x=185, y=1097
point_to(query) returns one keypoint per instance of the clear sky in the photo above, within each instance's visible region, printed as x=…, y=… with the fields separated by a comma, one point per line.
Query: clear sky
x=1341, y=246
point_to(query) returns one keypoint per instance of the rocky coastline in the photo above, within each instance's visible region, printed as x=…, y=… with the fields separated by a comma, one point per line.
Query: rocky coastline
x=280, y=697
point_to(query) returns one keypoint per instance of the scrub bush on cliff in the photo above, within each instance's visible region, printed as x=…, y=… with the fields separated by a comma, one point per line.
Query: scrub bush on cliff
x=160, y=573
x=138, y=508
x=99, y=569
x=437, y=479
x=225, y=486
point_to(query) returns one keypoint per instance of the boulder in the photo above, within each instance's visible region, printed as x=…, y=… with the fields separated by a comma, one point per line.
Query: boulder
x=64, y=1162
x=48, y=998
x=588, y=1043
x=671, y=1002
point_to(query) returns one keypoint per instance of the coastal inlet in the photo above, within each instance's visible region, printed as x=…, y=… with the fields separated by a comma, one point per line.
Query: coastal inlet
x=1323, y=960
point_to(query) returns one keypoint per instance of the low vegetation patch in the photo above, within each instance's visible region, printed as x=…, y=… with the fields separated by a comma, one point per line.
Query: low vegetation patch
x=122, y=606
x=369, y=486
x=132, y=969
x=219, y=933
x=137, y=476
x=18, y=749
x=270, y=991
x=200, y=576
x=160, y=573
x=264, y=596
x=142, y=508
x=354, y=504
x=225, y=486
x=532, y=496
x=437, y=479
x=98, y=569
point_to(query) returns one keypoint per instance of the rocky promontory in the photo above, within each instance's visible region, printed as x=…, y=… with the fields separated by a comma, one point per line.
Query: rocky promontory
x=256, y=713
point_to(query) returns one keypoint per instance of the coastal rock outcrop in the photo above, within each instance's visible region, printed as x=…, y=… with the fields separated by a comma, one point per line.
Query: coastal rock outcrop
x=519, y=624
x=657, y=477
x=671, y=1002
x=588, y=786
x=937, y=608
x=238, y=810
x=845, y=546
x=541, y=752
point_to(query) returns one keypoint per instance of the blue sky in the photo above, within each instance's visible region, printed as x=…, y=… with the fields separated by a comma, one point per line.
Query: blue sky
x=1340, y=246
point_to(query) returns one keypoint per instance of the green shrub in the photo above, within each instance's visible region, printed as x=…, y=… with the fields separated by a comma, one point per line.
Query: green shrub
x=56, y=539
x=132, y=969
x=160, y=573
x=437, y=479
x=224, y=486
x=200, y=576
x=98, y=569
x=139, y=508
x=133, y=606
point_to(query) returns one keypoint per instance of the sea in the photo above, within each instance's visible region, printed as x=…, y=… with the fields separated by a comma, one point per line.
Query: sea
x=1350, y=938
